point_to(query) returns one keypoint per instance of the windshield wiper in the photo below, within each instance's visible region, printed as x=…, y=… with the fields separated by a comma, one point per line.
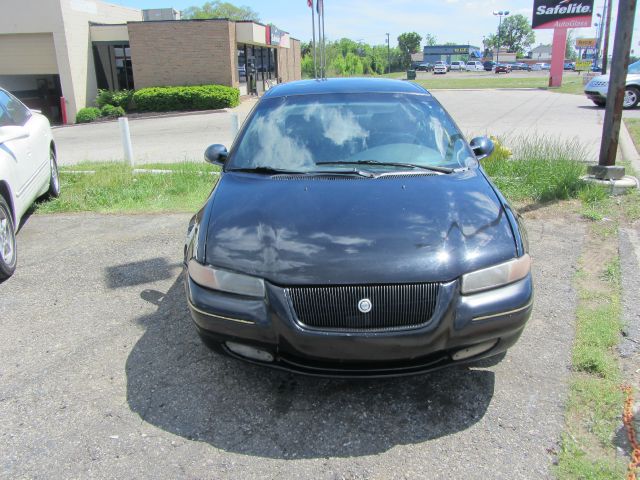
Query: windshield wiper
x=277, y=171
x=393, y=164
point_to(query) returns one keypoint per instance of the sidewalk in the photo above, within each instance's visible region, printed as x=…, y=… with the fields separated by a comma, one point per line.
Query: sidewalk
x=160, y=139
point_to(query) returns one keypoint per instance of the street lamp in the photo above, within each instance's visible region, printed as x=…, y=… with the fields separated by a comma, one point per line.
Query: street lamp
x=388, y=55
x=500, y=14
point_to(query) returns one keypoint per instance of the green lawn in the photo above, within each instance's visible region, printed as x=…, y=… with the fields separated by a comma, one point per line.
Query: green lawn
x=115, y=188
x=633, y=126
x=571, y=83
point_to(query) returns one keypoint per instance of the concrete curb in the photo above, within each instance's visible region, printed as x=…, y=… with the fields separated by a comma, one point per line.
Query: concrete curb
x=628, y=148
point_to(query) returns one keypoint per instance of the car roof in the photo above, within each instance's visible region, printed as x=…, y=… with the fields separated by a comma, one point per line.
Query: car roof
x=345, y=85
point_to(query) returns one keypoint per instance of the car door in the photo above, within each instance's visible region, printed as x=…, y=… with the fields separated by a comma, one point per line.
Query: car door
x=26, y=166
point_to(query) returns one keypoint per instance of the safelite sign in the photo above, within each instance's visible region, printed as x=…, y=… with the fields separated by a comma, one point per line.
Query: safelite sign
x=562, y=13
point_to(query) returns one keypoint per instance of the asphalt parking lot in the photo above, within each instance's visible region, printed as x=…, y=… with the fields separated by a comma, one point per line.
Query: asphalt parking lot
x=104, y=377
x=510, y=113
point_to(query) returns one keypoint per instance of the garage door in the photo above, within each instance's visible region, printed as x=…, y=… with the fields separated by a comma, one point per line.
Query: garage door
x=28, y=53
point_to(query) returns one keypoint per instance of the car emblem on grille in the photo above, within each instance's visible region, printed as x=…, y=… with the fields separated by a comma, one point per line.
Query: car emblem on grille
x=365, y=305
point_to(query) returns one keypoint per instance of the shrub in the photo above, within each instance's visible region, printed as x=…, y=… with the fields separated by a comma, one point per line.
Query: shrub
x=117, y=98
x=89, y=114
x=204, y=97
x=110, y=111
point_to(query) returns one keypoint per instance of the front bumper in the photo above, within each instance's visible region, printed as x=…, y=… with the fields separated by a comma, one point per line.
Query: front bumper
x=596, y=93
x=494, y=319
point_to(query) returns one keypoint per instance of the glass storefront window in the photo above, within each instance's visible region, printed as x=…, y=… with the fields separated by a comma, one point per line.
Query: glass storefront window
x=242, y=63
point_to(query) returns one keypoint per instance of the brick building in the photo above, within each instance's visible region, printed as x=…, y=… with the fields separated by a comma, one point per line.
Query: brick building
x=74, y=47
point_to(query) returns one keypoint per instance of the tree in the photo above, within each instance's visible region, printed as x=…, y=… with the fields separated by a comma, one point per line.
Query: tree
x=218, y=9
x=430, y=40
x=408, y=43
x=515, y=34
x=570, y=53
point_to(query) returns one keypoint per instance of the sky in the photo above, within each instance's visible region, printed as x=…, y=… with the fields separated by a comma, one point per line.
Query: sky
x=460, y=21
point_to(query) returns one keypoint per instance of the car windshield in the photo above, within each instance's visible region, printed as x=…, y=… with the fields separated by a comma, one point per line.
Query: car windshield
x=634, y=67
x=304, y=132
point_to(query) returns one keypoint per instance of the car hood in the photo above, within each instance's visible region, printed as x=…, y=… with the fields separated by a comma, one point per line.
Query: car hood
x=605, y=78
x=305, y=230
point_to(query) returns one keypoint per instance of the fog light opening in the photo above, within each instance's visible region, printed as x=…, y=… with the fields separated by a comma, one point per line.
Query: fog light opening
x=249, y=352
x=474, y=350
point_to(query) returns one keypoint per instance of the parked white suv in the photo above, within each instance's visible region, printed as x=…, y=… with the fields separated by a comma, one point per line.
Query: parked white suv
x=440, y=67
x=475, y=65
x=460, y=66
x=597, y=89
x=28, y=169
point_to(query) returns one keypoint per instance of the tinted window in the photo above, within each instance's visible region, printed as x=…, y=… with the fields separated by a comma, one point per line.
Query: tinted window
x=301, y=131
x=17, y=113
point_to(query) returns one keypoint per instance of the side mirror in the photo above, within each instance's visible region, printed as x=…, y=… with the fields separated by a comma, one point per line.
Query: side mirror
x=11, y=132
x=482, y=147
x=216, y=154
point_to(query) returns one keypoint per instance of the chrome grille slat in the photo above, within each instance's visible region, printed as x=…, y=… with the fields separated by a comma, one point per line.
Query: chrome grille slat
x=395, y=307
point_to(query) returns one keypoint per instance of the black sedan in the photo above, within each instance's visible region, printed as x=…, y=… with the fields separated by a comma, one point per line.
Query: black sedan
x=488, y=66
x=354, y=233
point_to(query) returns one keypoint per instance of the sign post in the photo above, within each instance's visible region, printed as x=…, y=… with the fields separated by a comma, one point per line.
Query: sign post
x=560, y=15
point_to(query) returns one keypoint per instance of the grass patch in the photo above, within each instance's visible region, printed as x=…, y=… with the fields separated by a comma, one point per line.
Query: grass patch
x=570, y=84
x=595, y=398
x=114, y=188
x=633, y=126
x=539, y=170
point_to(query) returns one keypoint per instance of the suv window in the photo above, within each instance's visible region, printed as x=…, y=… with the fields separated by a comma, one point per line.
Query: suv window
x=17, y=113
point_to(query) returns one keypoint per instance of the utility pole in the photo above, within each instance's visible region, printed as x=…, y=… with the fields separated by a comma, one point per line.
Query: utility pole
x=606, y=168
x=607, y=26
x=500, y=14
x=388, y=55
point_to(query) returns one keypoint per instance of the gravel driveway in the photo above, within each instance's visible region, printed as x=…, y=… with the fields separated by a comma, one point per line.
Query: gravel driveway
x=103, y=376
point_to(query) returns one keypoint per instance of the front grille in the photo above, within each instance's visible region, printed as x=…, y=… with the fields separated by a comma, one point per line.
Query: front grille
x=393, y=306
x=598, y=83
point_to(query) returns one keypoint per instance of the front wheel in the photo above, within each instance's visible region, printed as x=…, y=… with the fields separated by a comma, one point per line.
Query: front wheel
x=631, y=97
x=599, y=103
x=8, y=252
x=54, y=180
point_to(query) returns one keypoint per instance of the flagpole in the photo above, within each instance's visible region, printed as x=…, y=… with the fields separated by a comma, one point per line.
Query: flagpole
x=313, y=26
x=320, y=40
x=324, y=45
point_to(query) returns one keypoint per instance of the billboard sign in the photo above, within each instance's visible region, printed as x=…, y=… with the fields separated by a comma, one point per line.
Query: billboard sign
x=585, y=43
x=562, y=13
x=582, y=65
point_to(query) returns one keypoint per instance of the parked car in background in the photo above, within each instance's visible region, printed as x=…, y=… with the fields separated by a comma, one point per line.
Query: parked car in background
x=424, y=67
x=502, y=68
x=440, y=68
x=540, y=66
x=488, y=66
x=570, y=66
x=458, y=65
x=596, y=90
x=474, y=65
x=28, y=169
x=521, y=66
x=287, y=267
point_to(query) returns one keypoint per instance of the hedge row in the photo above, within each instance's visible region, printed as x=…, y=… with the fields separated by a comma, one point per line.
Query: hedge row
x=89, y=114
x=204, y=97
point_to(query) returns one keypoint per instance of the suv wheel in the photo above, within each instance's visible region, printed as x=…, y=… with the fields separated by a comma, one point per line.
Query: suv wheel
x=631, y=97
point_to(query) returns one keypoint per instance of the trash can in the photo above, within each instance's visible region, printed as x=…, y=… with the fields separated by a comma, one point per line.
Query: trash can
x=411, y=74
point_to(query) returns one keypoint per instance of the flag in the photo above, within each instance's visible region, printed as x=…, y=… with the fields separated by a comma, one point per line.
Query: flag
x=319, y=6
x=310, y=3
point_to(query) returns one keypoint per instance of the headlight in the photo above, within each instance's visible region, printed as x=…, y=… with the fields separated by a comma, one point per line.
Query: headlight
x=496, y=276
x=225, y=281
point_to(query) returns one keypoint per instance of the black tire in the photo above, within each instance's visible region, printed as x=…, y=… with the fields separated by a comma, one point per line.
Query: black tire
x=8, y=250
x=631, y=98
x=54, y=180
x=599, y=103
